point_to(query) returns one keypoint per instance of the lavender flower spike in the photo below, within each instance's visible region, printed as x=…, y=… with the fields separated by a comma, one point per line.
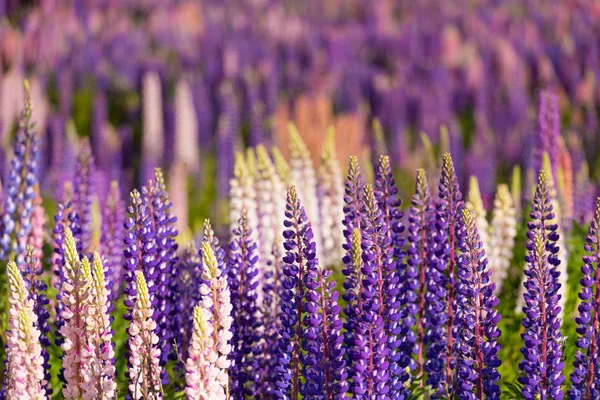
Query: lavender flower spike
x=84, y=194
x=477, y=354
x=24, y=353
x=144, y=353
x=202, y=372
x=547, y=138
x=75, y=297
x=542, y=363
x=586, y=374
x=98, y=353
x=113, y=218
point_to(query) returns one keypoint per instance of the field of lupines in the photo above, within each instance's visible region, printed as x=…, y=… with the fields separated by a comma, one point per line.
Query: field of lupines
x=309, y=238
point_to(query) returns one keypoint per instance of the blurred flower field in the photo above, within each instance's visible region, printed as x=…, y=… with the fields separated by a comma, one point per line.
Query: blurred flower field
x=271, y=199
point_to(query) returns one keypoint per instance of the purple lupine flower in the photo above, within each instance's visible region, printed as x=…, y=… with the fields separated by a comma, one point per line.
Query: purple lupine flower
x=477, y=345
x=397, y=322
x=84, y=192
x=441, y=284
x=243, y=281
x=153, y=138
x=297, y=235
x=371, y=332
x=112, y=234
x=586, y=374
x=542, y=363
x=421, y=221
x=548, y=134
x=228, y=129
x=18, y=191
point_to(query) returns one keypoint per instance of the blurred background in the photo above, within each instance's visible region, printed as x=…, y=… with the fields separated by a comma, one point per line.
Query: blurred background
x=184, y=84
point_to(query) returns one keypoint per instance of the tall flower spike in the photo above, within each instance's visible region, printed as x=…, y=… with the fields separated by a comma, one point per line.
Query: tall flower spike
x=216, y=300
x=548, y=134
x=113, y=218
x=75, y=297
x=281, y=166
x=477, y=354
x=202, y=372
x=37, y=235
x=541, y=367
x=242, y=194
x=372, y=332
x=515, y=189
x=421, y=221
x=586, y=374
x=302, y=175
x=243, y=278
x=398, y=320
x=153, y=125
x=330, y=192
x=502, y=235
x=144, y=354
x=98, y=353
x=25, y=363
x=18, y=194
x=85, y=193
x=475, y=205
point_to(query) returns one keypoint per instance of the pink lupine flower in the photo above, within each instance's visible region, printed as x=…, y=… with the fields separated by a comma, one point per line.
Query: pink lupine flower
x=202, y=372
x=216, y=299
x=75, y=296
x=23, y=350
x=36, y=236
x=97, y=367
x=144, y=354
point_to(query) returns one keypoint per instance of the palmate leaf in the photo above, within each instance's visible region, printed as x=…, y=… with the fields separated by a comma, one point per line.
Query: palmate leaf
x=513, y=391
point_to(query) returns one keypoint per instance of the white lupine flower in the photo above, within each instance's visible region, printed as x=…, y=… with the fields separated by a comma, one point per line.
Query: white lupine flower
x=302, y=176
x=75, y=292
x=330, y=191
x=144, y=353
x=23, y=351
x=502, y=235
x=270, y=201
x=186, y=127
x=475, y=205
x=216, y=299
x=281, y=167
x=242, y=194
x=98, y=369
x=153, y=138
x=202, y=373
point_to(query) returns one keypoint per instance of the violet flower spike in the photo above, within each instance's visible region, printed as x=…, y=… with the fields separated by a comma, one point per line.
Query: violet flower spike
x=85, y=193
x=112, y=233
x=586, y=374
x=542, y=365
x=477, y=345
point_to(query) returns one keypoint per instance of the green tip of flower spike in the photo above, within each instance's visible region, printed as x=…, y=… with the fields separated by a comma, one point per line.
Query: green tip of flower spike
x=281, y=165
x=421, y=177
x=27, y=107
x=70, y=248
x=142, y=289
x=298, y=148
x=384, y=163
x=370, y=200
x=240, y=168
x=209, y=260
x=200, y=320
x=447, y=164
x=24, y=322
x=356, y=247
x=251, y=162
x=86, y=269
x=98, y=273
x=503, y=194
x=467, y=217
x=516, y=182
x=159, y=178
x=16, y=283
x=292, y=197
x=328, y=153
x=264, y=164
x=474, y=201
x=207, y=231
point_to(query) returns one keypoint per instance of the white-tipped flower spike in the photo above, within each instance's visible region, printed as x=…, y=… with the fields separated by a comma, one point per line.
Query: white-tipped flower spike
x=153, y=130
x=302, y=175
x=144, y=370
x=216, y=300
x=271, y=209
x=202, y=375
x=186, y=127
x=242, y=194
x=75, y=293
x=23, y=351
x=98, y=369
x=502, y=235
x=330, y=190
x=475, y=205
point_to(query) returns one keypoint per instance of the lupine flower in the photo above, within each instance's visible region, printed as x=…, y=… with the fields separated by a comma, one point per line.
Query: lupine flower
x=144, y=354
x=421, y=220
x=302, y=175
x=271, y=208
x=153, y=139
x=242, y=194
x=475, y=205
x=281, y=166
x=398, y=319
x=502, y=235
x=228, y=127
x=85, y=192
x=186, y=128
x=586, y=374
x=113, y=218
x=548, y=134
x=373, y=381
x=330, y=193
x=37, y=234
x=542, y=363
x=442, y=284
x=202, y=371
x=515, y=188
x=216, y=299
x=477, y=347
x=25, y=362
x=98, y=354
x=75, y=297
x=243, y=280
